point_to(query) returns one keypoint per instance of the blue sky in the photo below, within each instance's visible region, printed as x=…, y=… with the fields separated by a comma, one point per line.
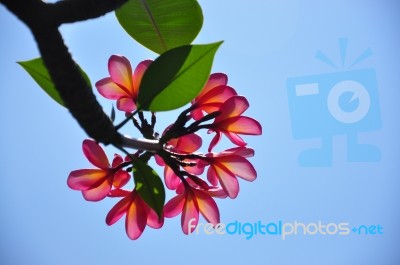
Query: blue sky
x=266, y=44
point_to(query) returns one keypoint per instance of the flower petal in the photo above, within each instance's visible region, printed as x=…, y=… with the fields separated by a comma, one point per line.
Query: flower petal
x=136, y=218
x=159, y=160
x=198, y=169
x=118, y=210
x=181, y=188
x=95, y=154
x=207, y=207
x=227, y=180
x=174, y=206
x=171, y=180
x=98, y=193
x=85, y=179
x=119, y=193
x=126, y=104
x=241, y=125
x=190, y=214
x=217, y=192
x=239, y=166
x=197, y=114
x=118, y=160
x=216, y=79
x=242, y=151
x=218, y=94
x=120, y=71
x=188, y=143
x=121, y=178
x=198, y=182
x=233, y=107
x=212, y=176
x=108, y=89
x=212, y=101
x=215, y=140
x=234, y=138
x=152, y=219
x=137, y=76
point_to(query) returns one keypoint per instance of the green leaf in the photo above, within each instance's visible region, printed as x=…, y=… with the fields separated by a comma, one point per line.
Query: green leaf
x=160, y=25
x=38, y=71
x=149, y=186
x=176, y=77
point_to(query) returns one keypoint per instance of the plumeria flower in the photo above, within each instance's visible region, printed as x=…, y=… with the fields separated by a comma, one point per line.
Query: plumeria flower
x=226, y=166
x=95, y=184
x=214, y=93
x=122, y=85
x=186, y=144
x=190, y=202
x=217, y=104
x=138, y=213
x=230, y=123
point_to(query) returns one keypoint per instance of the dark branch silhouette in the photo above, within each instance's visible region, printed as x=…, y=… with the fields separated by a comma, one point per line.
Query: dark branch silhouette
x=43, y=19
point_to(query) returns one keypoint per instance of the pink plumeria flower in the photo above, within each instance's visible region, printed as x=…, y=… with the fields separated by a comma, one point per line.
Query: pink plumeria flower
x=122, y=85
x=214, y=93
x=138, y=213
x=190, y=203
x=186, y=144
x=226, y=166
x=95, y=184
x=230, y=122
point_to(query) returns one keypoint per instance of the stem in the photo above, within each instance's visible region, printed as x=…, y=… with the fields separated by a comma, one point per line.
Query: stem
x=141, y=144
x=147, y=130
x=137, y=125
x=177, y=126
x=127, y=118
x=204, y=126
x=122, y=165
x=153, y=120
x=185, y=156
x=210, y=116
x=175, y=168
x=173, y=163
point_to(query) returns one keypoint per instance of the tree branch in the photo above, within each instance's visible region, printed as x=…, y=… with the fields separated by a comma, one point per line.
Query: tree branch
x=75, y=92
x=43, y=20
x=68, y=11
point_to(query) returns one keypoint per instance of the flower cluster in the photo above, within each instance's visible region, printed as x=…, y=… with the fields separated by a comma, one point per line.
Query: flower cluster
x=197, y=178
